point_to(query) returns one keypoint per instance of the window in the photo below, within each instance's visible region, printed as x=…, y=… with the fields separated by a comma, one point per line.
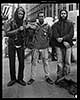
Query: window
x=64, y=6
x=50, y=10
x=47, y=11
x=59, y=8
x=44, y=11
x=70, y=7
x=54, y=9
x=77, y=6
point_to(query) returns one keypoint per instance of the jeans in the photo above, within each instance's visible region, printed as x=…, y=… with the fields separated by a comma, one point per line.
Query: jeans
x=64, y=61
x=35, y=57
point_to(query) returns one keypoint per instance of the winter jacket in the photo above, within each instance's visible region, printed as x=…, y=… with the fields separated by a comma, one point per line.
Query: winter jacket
x=66, y=32
x=42, y=36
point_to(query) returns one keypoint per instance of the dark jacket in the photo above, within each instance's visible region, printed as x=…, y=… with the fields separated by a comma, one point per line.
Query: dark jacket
x=67, y=32
x=42, y=36
x=15, y=23
x=12, y=37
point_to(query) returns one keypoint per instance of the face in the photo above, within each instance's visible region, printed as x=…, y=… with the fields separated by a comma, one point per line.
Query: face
x=41, y=17
x=20, y=15
x=63, y=14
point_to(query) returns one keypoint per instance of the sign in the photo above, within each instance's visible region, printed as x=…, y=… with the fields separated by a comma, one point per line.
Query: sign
x=7, y=11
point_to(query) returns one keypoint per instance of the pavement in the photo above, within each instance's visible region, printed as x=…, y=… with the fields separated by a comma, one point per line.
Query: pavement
x=39, y=89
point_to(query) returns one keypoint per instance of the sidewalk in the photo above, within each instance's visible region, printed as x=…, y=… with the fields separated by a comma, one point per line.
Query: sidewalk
x=39, y=89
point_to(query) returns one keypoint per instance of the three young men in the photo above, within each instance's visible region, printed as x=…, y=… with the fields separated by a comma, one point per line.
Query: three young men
x=62, y=33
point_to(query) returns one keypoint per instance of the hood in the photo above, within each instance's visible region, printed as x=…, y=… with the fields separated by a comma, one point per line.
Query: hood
x=18, y=21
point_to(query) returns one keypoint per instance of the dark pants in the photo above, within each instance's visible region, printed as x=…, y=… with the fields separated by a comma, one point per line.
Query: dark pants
x=53, y=52
x=20, y=53
x=52, y=45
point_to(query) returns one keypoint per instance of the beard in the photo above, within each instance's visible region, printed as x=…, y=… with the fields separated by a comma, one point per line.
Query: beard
x=63, y=18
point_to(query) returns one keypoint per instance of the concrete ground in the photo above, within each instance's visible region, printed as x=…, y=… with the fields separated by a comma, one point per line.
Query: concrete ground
x=39, y=89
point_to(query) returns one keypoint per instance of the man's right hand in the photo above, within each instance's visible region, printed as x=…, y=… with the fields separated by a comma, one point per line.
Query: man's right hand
x=21, y=28
x=66, y=44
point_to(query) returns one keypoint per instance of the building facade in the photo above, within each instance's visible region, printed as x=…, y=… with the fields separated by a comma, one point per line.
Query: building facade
x=49, y=9
x=52, y=10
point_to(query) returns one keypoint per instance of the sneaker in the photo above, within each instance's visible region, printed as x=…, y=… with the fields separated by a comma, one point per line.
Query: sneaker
x=54, y=59
x=66, y=71
x=48, y=80
x=10, y=83
x=21, y=82
x=30, y=81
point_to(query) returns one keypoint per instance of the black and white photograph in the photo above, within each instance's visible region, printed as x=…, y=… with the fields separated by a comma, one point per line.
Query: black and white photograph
x=39, y=50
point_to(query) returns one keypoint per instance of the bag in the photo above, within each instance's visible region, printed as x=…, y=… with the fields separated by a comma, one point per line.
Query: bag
x=70, y=85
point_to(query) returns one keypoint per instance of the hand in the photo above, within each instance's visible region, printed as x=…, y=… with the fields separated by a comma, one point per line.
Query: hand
x=66, y=44
x=28, y=26
x=21, y=28
x=59, y=40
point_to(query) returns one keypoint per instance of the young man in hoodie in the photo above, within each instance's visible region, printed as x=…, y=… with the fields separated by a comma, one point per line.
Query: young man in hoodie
x=62, y=33
x=41, y=43
x=15, y=32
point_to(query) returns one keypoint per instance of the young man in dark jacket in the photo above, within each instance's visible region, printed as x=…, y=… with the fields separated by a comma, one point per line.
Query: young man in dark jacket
x=15, y=32
x=62, y=33
x=41, y=43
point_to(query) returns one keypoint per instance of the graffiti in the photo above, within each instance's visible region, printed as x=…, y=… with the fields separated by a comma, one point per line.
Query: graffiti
x=6, y=11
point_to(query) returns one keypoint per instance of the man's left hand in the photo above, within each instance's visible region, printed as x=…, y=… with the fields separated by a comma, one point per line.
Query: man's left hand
x=66, y=44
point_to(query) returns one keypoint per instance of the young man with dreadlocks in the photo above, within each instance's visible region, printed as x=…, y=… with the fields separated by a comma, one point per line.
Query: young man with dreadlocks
x=15, y=32
x=62, y=32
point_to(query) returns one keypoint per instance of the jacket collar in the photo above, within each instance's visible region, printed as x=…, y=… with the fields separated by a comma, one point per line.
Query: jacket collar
x=44, y=23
